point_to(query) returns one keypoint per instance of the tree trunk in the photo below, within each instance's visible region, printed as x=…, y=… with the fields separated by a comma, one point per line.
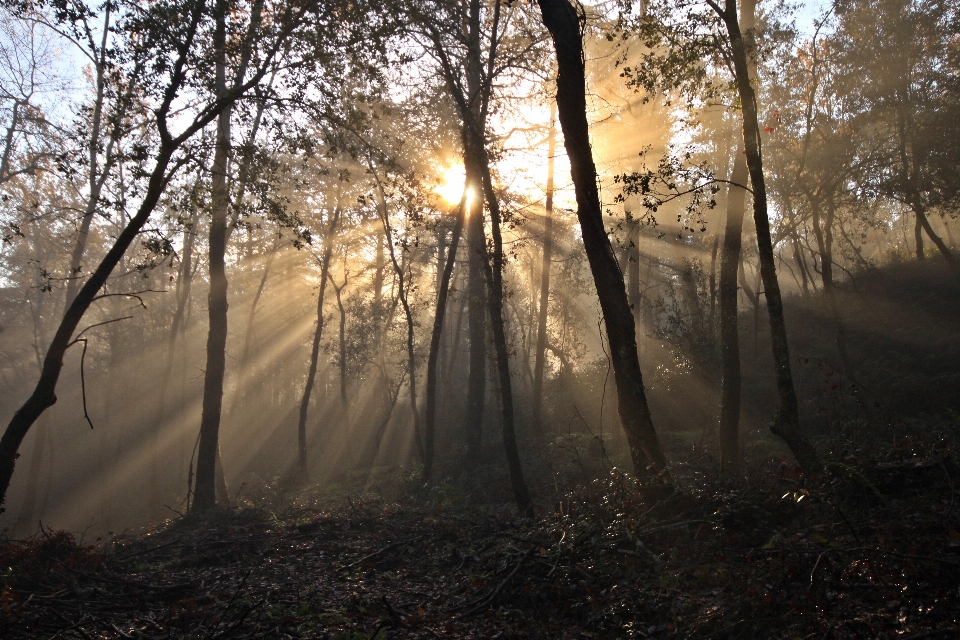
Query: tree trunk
x=713, y=279
x=494, y=277
x=544, y=307
x=315, y=348
x=563, y=22
x=205, y=489
x=343, y=341
x=730, y=261
x=402, y=290
x=786, y=424
x=923, y=222
x=430, y=411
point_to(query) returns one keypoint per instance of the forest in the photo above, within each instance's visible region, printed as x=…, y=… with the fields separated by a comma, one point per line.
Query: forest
x=479, y=319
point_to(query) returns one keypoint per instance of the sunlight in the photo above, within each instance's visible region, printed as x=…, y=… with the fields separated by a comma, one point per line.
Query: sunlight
x=452, y=181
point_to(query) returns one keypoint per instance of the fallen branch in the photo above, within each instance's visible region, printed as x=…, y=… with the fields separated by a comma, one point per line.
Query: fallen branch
x=393, y=545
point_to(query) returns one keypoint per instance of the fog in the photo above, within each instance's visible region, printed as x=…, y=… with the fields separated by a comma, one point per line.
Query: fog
x=359, y=176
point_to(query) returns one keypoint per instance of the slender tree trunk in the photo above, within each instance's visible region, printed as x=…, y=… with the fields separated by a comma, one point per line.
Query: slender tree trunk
x=826, y=261
x=797, y=251
x=544, y=307
x=343, y=341
x=714, y=251
x=95, y=177
x=828, y=285
x=476, y=321
x=430, y=411
x=563, y=22
x=494, y=277
x=402, y=291
x=378, y=273
x=315, y=348
x=730, y=261
x=786, y=425
x=205, y=492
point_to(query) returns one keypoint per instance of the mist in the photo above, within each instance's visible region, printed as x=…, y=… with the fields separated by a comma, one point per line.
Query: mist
x=301, y=259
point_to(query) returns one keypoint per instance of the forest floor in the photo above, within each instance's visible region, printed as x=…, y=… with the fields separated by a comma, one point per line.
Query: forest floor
x=874, y=555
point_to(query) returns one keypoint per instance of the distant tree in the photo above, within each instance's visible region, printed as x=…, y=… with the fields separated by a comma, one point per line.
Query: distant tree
x=897, y=75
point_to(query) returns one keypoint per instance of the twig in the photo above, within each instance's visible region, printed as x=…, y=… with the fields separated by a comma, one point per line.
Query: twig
x=83, y=382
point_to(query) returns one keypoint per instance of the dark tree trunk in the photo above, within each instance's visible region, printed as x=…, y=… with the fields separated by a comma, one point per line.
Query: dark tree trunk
x=923, y=222
x=563, y=22
x=729, y=333
x=205, y=494
x=713, y=279
x=544, y=306
x=494, y=277
x=786, y=424
x=443, y=291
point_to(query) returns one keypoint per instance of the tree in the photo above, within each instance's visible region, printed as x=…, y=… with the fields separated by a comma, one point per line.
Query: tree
x=545, y=281
x=565, y=26
x=786, y=424
x=162, y=60
x=896, y=72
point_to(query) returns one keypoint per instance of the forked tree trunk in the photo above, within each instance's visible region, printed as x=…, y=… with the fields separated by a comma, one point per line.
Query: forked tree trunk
x=923, y=222
x=315, y=348
x=729, y=334
x=402, y=291
x=786, y=424
x=563, y=22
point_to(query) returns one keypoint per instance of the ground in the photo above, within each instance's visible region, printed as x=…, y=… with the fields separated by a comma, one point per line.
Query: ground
x=869, y=554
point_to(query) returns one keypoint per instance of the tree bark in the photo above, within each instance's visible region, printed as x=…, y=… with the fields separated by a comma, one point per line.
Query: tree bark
x=563, y=22
x=471, y=116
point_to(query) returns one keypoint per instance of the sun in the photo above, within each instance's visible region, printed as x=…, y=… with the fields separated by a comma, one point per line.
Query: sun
x=452, y=181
